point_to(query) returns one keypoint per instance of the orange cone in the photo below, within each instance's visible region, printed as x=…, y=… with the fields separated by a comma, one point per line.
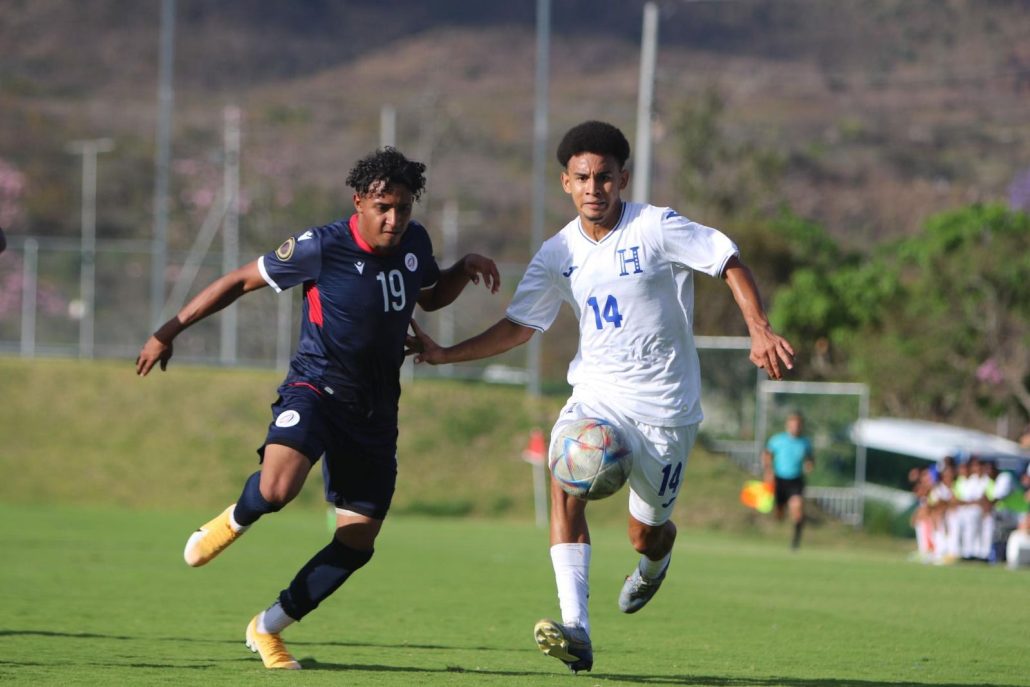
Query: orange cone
x=536, y=449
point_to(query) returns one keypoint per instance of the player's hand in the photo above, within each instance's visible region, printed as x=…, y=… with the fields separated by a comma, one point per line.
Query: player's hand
x=154, y=351
x=475, y=265
x=422, y=345
x=770, y=352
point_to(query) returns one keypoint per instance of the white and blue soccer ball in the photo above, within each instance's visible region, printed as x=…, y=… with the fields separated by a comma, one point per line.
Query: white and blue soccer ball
x=590, y=459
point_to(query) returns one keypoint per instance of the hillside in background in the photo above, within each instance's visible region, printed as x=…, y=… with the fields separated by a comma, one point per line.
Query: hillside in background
x=877, y=112
x=863, y=117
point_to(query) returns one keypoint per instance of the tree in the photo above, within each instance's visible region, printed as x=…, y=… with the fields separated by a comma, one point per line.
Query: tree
x=937, y=323
x=719, y=175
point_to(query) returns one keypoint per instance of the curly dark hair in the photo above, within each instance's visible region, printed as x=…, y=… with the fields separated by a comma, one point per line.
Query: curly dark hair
x=387, y=165
x=596, y=137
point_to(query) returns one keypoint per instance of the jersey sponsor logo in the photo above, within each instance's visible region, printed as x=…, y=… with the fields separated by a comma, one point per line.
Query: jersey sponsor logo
x=285, y=251
x=633, y=259
x=568, y=273
x=411, y=262
x=306, y=235
x=360, y=266
x=287, y=418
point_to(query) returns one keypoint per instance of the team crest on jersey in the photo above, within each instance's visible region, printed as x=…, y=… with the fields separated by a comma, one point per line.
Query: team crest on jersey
x=411, y=262
x=632, y=260
x=285, y=251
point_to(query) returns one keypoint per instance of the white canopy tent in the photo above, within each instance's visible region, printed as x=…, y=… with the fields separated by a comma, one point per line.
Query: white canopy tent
x=932, y=441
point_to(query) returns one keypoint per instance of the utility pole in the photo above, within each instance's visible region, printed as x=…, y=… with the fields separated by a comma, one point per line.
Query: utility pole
x=449, y=228
x=88, y=149
x=230, y=227
x=543, y=58
x=642, y=166
x=162, y=160
x=387, y=126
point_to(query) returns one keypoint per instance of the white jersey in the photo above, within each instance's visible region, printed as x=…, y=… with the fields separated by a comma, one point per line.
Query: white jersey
x=633, y=295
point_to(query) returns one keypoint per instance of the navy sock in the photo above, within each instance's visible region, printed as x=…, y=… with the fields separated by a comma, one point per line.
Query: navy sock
x=320, y=577
x=252, y=505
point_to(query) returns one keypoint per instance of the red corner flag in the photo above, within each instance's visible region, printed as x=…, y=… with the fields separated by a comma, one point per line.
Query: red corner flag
x=536, y=449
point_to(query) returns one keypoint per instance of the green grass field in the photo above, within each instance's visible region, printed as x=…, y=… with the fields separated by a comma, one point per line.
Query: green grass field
x=106, y=474
x=94, y=596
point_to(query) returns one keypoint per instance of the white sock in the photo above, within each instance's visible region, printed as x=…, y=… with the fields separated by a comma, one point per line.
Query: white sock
x=236, y=527
x=571, y=574
x=273, y=620
x=652, y=569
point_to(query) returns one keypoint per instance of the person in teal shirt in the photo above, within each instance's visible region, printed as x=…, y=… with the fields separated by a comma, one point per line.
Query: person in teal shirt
x=786, y=459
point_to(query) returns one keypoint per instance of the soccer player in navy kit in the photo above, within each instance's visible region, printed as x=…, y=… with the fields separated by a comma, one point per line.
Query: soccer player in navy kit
x=361, y=280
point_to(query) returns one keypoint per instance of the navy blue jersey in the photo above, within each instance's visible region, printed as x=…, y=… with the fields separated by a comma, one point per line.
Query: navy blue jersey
x=357, y=306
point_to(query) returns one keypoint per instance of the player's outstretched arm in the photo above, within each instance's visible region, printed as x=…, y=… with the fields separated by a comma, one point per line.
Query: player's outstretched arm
x=501, y=337
x=217, y=295
x=453, y=281
x=769, y=350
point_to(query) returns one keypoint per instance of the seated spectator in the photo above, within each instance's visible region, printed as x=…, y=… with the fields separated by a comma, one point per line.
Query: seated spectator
x=923, y=481
x=944, y=515
x=1017, y=551
x=1003, y=505
x=970, y=487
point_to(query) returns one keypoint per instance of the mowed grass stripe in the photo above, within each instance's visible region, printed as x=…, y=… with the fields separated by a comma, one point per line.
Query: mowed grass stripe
x=101, y=596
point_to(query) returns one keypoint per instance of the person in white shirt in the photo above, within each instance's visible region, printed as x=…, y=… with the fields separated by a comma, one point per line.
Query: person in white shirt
x=970, y=491
x=626, y=269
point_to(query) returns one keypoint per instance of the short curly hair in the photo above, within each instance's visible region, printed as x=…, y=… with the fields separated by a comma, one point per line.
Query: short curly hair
x=387, y=165
x=596, y=137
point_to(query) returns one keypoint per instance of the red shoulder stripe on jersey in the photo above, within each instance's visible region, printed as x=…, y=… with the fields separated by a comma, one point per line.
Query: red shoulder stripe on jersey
x=310, y=386
x=314, y=303
x=362, y=243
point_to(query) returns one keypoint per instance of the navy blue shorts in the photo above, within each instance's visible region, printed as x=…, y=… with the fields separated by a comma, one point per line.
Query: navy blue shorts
x=360, y=465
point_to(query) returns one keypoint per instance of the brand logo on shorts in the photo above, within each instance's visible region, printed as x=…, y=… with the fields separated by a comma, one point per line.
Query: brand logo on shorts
x=287, y=418
x=411, y=262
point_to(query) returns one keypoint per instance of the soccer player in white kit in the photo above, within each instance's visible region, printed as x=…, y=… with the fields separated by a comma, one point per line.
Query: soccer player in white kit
x=626, y=270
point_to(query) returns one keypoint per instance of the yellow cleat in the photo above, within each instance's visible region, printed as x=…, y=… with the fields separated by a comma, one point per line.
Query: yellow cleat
x=569, y=644
x=211, y=539
x=270, y=648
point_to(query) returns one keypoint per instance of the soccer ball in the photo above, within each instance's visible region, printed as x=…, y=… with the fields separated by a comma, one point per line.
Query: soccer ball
x=589, y=459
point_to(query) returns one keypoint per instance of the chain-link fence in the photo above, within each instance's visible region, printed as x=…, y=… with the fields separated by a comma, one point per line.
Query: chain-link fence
x=43, y=311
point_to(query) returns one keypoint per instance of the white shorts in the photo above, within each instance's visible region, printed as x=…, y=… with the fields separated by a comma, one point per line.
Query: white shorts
x=659, y=457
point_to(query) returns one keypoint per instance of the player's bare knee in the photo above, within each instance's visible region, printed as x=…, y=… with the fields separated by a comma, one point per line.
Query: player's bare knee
x=653, y=541
x=278, y=492
x=357, y=538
